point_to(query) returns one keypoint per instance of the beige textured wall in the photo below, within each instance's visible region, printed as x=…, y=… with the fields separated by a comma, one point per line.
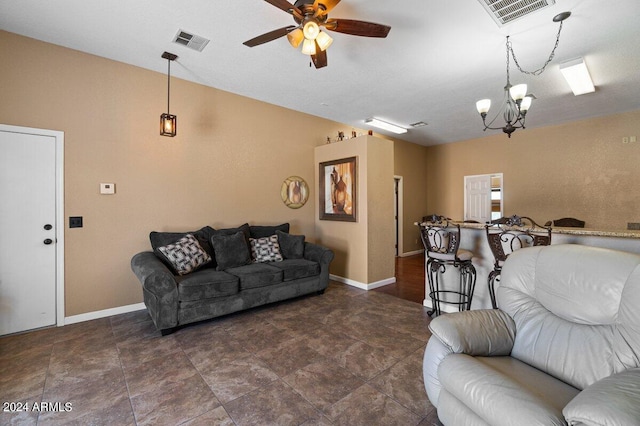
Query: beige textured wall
x=225, y=167
x=380, y=200
x=580, y=169
x=364, y=249
x=411, y=163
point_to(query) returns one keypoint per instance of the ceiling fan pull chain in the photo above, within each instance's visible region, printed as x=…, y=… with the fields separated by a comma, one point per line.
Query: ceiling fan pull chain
x=540, y=70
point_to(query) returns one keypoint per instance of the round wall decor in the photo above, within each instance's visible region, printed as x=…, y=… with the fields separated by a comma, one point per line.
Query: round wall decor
x=294, y=192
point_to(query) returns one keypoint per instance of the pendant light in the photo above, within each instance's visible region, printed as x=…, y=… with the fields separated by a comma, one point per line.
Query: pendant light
x=516, y=102
x=168, y=122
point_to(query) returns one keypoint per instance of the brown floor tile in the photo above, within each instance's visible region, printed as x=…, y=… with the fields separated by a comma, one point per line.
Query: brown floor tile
x=136, y=352
x=101, y=396
x=80, y=366
x=363, y=360
x=404, y=383
x=174, y=403
x=368, y=407
x=274, y=404
x=323, y=383
x=289, y=356
x=217, y=416
x=158, y=373
x=232, y=378
x=24, y=375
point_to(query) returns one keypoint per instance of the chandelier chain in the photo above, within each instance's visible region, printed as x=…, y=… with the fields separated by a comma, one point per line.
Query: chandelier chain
x=539, y=70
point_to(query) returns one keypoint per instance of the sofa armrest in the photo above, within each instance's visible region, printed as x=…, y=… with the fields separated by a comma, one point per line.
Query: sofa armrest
x=317, y=253
x=486, y=332
x=159, y=288
x=614, y=400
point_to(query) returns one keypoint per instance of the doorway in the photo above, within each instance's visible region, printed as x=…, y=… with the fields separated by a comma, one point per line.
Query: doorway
x=483, y=197
x=32, y=226
x=398, y=214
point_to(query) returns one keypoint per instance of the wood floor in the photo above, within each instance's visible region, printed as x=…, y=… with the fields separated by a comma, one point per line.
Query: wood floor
x=409, y=283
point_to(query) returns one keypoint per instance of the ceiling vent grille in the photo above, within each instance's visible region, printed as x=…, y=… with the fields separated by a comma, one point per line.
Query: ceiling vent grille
x=190, y=40
x=506, y=11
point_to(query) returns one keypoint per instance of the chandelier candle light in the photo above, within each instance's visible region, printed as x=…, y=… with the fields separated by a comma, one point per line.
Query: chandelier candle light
x=516, y=101
x=168, y=122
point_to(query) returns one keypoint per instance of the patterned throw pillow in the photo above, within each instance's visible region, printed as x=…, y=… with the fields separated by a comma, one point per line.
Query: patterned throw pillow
x=265, y=249
x=185, y=255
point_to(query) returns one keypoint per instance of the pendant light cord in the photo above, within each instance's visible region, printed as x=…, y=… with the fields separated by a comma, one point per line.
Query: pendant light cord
x=168, y=83
x=539, y=70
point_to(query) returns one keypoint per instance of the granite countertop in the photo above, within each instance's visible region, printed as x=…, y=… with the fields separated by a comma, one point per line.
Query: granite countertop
x=622, y=233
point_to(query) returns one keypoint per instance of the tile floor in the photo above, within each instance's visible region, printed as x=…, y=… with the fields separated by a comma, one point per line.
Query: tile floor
x=348, y=357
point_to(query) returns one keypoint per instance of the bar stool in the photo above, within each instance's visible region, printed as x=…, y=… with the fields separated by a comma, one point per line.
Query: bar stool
x=441, y=240
x=508, y=234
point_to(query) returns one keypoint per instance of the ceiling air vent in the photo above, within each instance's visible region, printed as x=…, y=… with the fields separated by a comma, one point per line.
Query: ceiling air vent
x=190, y=40
x=507, y=11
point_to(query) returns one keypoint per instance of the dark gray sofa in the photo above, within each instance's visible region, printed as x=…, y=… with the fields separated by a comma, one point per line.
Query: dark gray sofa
x=174, y=300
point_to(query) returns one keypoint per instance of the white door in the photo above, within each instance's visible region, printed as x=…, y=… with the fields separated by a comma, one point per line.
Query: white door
x=27, y=231
x=477, y=198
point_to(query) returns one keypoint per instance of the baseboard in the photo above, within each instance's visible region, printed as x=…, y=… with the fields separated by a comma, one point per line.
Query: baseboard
x=363, y=286
x=411, y=253
x=103, y=314
x=444, y=307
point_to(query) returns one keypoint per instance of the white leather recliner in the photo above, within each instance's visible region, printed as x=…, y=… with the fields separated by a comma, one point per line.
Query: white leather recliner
x=563, y=347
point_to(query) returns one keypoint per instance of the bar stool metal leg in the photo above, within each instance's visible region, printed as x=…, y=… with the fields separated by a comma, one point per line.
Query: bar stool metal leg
x=493, y=277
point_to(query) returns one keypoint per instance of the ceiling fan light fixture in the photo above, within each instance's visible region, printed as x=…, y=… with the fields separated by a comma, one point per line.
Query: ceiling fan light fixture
x=577, y=75
x=385, y=126
x=311, y=30
x=309, y=47
x=295, y=37
x=324, y=40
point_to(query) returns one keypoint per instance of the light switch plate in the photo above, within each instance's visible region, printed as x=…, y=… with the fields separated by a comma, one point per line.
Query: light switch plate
x=108, y=188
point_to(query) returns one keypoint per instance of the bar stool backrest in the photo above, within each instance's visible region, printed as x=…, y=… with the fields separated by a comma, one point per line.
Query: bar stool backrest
x=508, y=234
x=441, y=239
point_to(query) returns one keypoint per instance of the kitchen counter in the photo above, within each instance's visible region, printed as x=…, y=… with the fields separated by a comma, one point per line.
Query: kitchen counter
x=474, y=239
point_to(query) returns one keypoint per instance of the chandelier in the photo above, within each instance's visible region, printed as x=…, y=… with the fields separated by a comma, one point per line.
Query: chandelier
x=516, y=102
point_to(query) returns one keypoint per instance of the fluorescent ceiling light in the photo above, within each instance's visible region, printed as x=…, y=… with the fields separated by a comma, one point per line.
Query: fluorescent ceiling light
x=385, y=126
x=577, y=75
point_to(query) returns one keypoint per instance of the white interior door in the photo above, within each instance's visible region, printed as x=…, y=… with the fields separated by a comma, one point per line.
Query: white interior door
x=478, y=198
x=27, y=231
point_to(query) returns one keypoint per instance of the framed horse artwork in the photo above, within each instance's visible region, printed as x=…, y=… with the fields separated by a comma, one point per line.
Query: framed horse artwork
x=337, y=180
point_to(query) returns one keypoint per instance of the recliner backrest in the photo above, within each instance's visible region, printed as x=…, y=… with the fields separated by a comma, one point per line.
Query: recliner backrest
x=575, y=309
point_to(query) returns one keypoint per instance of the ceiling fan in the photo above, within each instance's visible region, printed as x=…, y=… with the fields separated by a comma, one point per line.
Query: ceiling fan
x=310, y=16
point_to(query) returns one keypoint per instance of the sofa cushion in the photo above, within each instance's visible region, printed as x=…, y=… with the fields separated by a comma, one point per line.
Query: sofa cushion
x=505, y=391
x=291, y=246
x=265, y=249
x=294, y=269
x=185, y=255
x=256, y=275
x=203, y=235
x=267, y=231
x=230, y=250
x=207, y=284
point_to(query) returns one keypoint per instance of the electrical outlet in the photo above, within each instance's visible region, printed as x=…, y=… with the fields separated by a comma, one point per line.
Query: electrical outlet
x=632, y=139
x=625, y=139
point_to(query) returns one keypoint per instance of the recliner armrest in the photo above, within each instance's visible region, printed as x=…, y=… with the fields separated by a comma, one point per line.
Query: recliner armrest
x=614, y=400
x=487, y=332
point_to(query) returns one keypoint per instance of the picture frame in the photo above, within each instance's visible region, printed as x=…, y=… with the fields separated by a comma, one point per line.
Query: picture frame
x=337, y=182
x=294, y=192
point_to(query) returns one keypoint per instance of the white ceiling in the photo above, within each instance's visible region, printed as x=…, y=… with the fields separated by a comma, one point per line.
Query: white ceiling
x=438, y=60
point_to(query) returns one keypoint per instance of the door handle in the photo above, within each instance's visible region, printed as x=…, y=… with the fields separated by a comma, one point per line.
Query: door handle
x=48, y=227
x=48, y=241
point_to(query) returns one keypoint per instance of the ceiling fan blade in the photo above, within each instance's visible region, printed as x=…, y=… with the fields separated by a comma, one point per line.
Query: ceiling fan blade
x=357, y=28
x=270, y=36
x=324, y=6
x=320, y=58
x=284, y=5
